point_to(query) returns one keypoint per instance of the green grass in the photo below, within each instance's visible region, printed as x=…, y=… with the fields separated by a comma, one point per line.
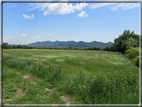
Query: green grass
x=90, y=77
x=72, y=61
x=30, y=93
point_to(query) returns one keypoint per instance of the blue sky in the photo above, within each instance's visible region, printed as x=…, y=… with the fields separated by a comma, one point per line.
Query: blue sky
x=25, y=23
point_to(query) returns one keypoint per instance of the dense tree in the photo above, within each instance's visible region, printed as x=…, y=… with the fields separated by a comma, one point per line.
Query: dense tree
x=71, y=48
x=112, y=48
x=95, y=48
x=107, y=49
x=19, y=46
x=43, y=48
x=130, y=43
x=11, y=46
x=122, y=42
x=5, y=45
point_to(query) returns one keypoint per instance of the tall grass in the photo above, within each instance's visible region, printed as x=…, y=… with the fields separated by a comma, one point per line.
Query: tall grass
x=115, y=87
x=47, y=72
x=102, y=88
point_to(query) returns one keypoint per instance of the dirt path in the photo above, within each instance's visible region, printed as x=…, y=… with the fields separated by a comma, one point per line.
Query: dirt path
x=29, y=77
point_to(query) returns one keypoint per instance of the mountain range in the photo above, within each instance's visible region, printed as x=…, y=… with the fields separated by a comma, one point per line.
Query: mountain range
x=63, y=44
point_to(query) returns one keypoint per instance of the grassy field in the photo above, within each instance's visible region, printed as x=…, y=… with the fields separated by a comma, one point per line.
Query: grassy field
x=89, y=77
x=73, y=61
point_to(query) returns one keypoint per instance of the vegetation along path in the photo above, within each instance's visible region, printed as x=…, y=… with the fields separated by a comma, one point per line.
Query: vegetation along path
x=23, y=88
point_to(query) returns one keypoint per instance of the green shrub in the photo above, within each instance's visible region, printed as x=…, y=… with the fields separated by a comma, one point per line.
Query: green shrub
x=132, y=53
x=136, y=60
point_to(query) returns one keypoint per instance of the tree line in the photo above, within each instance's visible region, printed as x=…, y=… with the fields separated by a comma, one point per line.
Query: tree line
x=6, y=46
x=125, y=41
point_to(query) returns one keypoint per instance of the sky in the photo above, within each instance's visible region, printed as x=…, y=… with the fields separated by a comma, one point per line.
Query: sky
x=25, y=23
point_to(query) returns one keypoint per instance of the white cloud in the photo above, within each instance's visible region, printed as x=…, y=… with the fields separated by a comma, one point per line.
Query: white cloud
x=50, y=34
x=97, y=5
x=40, y=6
x=58, y=8
x=36, y=36
x=125, y=6
x=122, y=6
x=16, y=33
x=63, y=8
x=29, y=17
x=9, y=37
x=23, y=35
x=82, y=14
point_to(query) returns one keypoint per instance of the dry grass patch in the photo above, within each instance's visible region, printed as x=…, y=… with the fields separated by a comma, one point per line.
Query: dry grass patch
x=65, y=99
x=29, y=79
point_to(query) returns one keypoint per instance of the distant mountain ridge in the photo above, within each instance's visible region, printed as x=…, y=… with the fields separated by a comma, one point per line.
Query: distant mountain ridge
x=63, y=44
x=80, y=44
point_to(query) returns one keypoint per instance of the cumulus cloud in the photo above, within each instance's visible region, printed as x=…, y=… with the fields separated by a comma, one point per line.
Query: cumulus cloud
x=58, y=8
x=23, y=35
x=36, y=36
x=124, y=6
x=50, y=34
x=9, y=37
x=28, y=17
x=63, y=8
x=82, y=14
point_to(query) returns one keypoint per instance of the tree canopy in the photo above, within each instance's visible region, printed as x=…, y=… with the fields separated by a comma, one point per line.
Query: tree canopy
x=126, y=41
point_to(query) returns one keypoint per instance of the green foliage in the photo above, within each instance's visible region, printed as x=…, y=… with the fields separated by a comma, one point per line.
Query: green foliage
x=136, y=60
x=126, y=40
x=95, y=48
x=14, y=62
x=112, y=48
x=71, y=48
x=130, y=43
x=5, y=45
x=106, y=49
x=102, y=88
x=43, y=48
x=132, y=53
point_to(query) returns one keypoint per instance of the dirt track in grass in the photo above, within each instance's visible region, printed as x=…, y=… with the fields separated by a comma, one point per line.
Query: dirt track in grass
x=30, y=82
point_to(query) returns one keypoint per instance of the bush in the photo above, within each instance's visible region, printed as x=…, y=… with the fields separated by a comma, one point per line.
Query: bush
x=132, y=53
x=136, y=60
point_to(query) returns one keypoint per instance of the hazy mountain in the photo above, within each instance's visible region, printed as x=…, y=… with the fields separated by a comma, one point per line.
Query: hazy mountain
x=80, y=44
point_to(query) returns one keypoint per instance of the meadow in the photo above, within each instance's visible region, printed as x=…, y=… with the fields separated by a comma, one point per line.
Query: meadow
x=81, y=76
